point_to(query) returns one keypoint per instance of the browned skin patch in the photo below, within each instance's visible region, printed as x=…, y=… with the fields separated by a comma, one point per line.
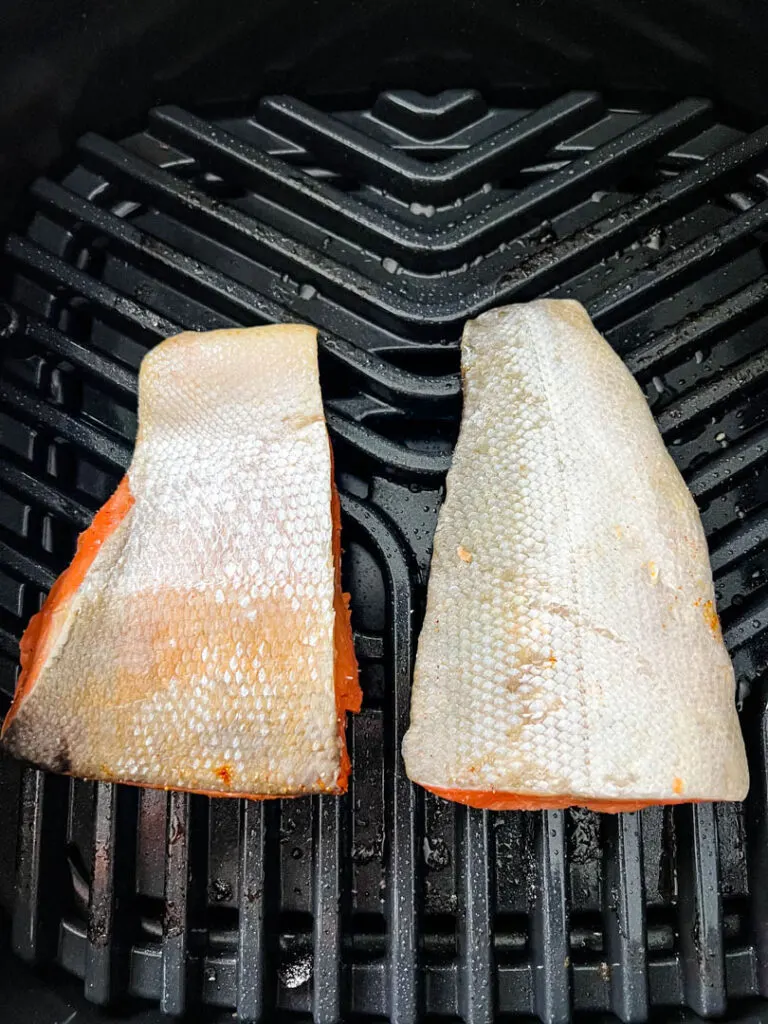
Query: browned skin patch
x=464, y=555
x=710, y=617
x=224, y=774
x=678, y=785
x=162, y=647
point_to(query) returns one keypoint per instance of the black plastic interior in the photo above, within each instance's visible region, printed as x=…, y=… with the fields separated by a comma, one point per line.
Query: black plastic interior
x=425, y=168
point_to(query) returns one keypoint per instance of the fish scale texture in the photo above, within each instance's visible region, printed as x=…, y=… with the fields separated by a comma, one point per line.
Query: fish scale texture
x=198, y=652
x=570, y=646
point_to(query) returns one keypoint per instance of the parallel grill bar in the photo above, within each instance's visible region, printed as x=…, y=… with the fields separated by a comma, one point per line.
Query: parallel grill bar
x=101, y=909
x=229, y=225
x=625, y=924
x=417, y=245
x=476, y=984
x=699, y=902
x=721, y=471
x=113, y=305
x=173, y=997
x=30, y=409
x=748, y=540
x=235, y=303
x=265, y=244
x=666, y=275
x=109, y=374
x=562, y=260
x=400, y=796
x=30, y=876
x=711, y=397
x=410, y=178
x=41, y=494
x=19, y=564
x=251, y=951
x=549, y=922
x=220, y=293
x=326, y=885
x=701, y=330
x=747, y=626
x=757, y=805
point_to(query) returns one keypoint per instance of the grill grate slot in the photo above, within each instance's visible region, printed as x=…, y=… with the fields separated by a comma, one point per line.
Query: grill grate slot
x=387, y=228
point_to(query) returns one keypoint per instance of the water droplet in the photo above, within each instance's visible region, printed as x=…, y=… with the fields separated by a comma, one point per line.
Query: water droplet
x=598, y=197
x=544, y=233
x=720, y=437
x=307, y=291
x=699, y=356
x=655, y=238
x=658, y=383
x=391, y=266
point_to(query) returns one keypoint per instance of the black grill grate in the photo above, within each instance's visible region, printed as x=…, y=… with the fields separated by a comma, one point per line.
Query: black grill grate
x=386, y=228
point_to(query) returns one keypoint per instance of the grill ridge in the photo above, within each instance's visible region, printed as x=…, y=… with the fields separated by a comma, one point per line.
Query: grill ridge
x=387, y=228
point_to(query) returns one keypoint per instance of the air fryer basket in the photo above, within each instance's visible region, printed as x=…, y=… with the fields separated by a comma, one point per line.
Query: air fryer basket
x=383, y=175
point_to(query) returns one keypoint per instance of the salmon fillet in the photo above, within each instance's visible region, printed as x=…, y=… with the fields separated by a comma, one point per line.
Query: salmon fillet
x=200, y=639
x=571, y=652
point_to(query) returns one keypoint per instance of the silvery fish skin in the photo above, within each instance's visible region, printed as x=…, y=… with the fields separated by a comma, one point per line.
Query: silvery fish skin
x=571, y=647
x=198, y=653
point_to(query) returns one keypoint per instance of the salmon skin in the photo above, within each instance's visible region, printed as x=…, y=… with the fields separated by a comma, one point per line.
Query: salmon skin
x=571, y=652
x=200, y=640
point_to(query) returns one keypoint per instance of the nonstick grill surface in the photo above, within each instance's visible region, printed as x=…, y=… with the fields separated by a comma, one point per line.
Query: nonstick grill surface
x=388, y=227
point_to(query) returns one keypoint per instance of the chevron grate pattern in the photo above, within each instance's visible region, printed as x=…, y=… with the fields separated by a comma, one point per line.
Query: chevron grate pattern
x=388, y=227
